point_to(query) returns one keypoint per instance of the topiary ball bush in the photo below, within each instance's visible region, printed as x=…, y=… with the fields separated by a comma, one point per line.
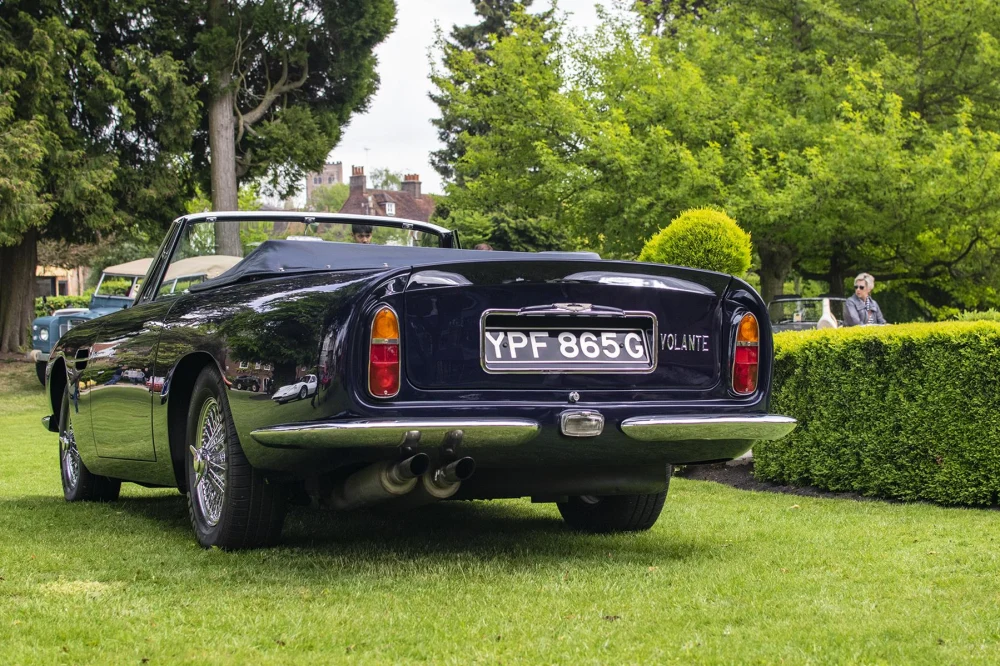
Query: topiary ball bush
x=701, y=238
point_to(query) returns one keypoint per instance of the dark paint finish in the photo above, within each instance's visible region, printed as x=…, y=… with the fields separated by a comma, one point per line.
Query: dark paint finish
x=121, y=363
x=279, y=329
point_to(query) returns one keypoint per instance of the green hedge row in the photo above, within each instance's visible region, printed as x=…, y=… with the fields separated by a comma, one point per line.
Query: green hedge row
x=48, y=305
x=908, y=412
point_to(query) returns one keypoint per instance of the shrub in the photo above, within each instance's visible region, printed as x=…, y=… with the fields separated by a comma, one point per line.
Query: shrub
x=701, y=238
x=979, y=315
x=45, y=307
x=908, y=412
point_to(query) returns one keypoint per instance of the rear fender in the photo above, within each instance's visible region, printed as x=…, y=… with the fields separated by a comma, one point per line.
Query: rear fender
x=176, y=393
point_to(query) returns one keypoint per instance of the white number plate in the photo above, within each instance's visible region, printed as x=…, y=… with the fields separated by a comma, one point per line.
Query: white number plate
x=567, y=349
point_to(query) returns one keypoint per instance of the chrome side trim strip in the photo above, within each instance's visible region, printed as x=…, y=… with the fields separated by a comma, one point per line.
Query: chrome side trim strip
x=683, y=428
x=392, y=432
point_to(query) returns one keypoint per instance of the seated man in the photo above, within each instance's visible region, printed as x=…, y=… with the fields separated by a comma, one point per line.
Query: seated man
x=362, y=233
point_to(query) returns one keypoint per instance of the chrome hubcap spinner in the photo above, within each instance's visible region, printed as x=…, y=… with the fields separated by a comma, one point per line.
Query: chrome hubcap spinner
x=209, y=463
x=70, y=458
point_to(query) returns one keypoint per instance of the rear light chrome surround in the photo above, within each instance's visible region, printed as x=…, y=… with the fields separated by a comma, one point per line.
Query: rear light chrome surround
x=384, y=354
x=746, y=355
x=581, y=423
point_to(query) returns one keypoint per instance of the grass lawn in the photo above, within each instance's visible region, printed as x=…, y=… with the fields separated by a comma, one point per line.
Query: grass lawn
x=726, y=576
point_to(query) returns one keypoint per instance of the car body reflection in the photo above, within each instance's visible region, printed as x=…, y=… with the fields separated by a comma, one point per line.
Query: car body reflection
x=300, y=389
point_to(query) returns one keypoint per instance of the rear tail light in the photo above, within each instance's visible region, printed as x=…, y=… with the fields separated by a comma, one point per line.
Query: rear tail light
x=746, y=355
x=383, y=354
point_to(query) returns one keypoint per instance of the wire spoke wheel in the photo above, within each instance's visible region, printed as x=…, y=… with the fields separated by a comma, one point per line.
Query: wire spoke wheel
x=70, y=458
x=79, y=483
x=209, y=460
x=231, y=504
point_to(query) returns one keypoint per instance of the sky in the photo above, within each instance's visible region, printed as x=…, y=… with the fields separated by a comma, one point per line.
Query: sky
x=396, y=131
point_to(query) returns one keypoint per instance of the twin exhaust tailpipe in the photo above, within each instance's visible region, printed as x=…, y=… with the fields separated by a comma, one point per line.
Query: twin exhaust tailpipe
x=409, y=483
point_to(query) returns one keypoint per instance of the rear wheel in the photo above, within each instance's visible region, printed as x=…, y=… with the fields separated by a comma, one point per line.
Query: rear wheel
x=79, y=485
x=614, y=513
x=232, y=505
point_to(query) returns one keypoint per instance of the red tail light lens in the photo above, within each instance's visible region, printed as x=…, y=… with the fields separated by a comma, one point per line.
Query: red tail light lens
x=746, y=355
x=383, y=354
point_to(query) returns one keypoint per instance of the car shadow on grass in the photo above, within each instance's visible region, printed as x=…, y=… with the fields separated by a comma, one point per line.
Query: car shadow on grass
x=508, y=531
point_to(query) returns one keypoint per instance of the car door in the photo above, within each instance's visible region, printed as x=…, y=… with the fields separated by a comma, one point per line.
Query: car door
x=121, y=367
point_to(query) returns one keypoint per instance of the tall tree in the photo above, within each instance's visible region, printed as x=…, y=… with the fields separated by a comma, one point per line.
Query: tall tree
x=92, y=141
x=514, y=98
x=282, y=79
x=795, y=116
x=475, y=39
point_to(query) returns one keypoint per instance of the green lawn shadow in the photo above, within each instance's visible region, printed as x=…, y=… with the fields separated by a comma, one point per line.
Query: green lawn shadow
x=513, y=533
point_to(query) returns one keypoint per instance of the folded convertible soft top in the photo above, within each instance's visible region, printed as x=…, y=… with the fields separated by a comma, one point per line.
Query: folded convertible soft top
x=275, y=257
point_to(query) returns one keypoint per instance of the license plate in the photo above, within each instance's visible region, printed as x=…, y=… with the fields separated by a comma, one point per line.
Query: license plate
x=578, y=344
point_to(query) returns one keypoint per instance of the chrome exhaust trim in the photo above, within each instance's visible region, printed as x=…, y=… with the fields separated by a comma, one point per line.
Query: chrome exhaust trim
x=455, y=472
x=438, y=484
x=380, y=482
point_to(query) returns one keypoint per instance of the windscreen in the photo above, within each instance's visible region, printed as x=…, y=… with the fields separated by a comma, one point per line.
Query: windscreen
x=209, y=249
x=803, y=311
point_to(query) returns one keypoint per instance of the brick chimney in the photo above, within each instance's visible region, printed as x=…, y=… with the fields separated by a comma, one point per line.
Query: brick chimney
x=411, y=184
x=358, y=179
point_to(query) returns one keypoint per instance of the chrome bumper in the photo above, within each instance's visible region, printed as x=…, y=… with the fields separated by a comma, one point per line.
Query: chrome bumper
x=393, y=432
x=688, y=428
x=502, y=432
x=38, y=356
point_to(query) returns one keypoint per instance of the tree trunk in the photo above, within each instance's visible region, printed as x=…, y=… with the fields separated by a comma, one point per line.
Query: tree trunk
x=836, y=275
x=222, y=144
x=774, y=268
x=17, y=292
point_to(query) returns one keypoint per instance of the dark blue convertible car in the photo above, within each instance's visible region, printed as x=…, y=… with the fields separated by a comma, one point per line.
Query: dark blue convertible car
x=410, y=371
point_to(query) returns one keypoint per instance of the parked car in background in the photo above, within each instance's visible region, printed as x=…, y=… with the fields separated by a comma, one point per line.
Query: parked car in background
x=452, y=375
x=802, y=313
x=300, y=389
x=246, y=383
x=115, y=290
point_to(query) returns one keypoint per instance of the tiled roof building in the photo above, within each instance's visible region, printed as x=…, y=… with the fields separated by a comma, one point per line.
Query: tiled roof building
x=407, y=203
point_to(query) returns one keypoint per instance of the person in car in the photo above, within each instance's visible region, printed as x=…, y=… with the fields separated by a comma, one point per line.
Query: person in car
x=861, y=309
x=362, y=233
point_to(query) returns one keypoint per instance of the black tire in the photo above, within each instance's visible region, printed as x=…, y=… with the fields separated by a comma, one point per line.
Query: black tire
x=303, y=393
x=249, y=511
x=78, y=484
x=616, y=513
x=256, y=387
x=40, y=371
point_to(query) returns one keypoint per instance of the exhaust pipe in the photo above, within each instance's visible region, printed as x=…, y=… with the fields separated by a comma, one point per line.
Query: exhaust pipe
x=380, y=482
x=449, y=477
x=438, y=484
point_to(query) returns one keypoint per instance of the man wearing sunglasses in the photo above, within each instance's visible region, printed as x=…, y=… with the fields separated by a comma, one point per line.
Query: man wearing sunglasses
x=861, y=309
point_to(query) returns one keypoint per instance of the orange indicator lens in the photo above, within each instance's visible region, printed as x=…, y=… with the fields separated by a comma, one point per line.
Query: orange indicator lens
x=385, y=326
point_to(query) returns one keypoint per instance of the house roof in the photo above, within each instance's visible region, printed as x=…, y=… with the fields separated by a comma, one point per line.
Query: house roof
x=372, y=202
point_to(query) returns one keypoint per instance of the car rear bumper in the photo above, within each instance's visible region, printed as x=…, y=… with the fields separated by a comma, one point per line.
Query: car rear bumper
x=507, y=432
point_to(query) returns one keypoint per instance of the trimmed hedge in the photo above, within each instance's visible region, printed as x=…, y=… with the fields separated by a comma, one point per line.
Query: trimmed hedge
x=909, y=412
x=48, y=305
x=701, y=238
